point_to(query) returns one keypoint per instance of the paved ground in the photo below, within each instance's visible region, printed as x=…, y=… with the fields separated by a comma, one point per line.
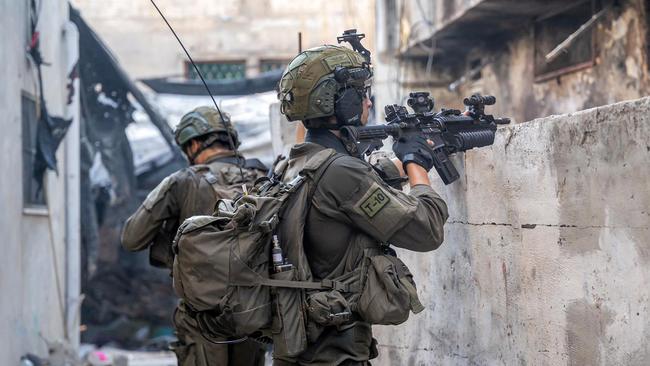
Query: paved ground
x=117, y=357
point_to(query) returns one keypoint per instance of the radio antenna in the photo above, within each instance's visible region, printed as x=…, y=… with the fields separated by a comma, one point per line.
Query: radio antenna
x=233, y=146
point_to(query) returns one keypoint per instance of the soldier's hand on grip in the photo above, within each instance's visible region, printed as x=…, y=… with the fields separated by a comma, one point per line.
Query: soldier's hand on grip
x=414, y=149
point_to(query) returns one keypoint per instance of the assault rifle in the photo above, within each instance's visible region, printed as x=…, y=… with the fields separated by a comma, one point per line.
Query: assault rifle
x=450, y=130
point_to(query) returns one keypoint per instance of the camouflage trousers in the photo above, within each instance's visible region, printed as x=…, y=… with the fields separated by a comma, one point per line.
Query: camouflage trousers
x=193, y=350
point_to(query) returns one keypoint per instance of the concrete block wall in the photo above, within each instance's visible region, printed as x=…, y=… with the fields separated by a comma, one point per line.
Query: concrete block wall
x=547, y=250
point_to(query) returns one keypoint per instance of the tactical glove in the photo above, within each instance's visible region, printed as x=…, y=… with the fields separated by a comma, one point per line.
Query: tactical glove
x=414, y=149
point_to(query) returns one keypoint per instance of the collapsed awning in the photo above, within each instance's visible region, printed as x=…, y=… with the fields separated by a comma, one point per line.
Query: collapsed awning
x=102, y=59
x=267, y=81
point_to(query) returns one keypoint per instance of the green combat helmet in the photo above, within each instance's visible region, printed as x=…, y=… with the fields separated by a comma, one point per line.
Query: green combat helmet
x=204, y=121
x=325, y=81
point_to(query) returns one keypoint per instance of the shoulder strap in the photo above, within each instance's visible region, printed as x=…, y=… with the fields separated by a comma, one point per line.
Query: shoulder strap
x=314, y=170
x=316, y=162
x=255, y=164
x=214, y=182
x=316, y=175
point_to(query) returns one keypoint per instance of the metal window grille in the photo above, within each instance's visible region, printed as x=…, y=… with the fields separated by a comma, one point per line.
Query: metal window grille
x=218, y=70
x=270, y=65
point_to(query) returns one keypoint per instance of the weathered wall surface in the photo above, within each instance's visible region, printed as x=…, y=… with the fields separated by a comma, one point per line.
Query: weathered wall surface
x=248, y=30
x=547, y=250
x=620, y=71
x=32, y=239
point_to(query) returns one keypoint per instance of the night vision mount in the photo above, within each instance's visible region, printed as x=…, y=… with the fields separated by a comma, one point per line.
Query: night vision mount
x=354, y=39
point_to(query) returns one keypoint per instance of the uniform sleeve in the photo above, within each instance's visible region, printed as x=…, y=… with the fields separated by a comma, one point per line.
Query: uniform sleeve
x=389, y=173
x=351, y=191
x=160, y=205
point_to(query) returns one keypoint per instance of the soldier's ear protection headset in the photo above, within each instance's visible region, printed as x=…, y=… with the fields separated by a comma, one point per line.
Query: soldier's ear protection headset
x=353, y=87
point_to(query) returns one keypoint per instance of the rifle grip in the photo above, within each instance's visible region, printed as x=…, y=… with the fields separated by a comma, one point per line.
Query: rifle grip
x=445, y=168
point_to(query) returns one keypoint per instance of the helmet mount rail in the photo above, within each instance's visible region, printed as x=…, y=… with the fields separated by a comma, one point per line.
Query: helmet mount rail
x=231, y=142
x=354, y=39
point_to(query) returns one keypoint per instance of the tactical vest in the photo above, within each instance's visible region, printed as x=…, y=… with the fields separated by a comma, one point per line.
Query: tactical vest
x=224, y=271
x=221, y=176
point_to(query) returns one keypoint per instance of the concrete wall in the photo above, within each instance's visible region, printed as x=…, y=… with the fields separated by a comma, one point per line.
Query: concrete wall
x=620, y=71
x=547, y=250
x=219, y=30
x=33, y=240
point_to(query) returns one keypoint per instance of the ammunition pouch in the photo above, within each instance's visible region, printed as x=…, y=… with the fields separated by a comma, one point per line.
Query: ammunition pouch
x=380, y=291
x=328, y=308
x=389, y=293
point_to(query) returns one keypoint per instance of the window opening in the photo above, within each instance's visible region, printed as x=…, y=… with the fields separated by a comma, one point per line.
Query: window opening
x=32, y=195
x=552, y=31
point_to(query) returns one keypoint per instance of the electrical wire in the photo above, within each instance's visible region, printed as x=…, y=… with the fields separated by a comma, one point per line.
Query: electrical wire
x=400, y=63
x=55, y=264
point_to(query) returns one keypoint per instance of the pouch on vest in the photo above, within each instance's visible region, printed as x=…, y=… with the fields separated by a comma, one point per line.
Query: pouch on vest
x=160, y=251
x=389, y=293
x=289, y=330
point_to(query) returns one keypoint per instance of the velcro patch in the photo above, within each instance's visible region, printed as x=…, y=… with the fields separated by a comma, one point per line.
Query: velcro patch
x=375, y=202
x=338, y=60
x=380, y=210
x=158, y=193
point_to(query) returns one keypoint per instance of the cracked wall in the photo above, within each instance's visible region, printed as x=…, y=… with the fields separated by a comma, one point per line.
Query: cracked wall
x=545, y=260
x=620, y=69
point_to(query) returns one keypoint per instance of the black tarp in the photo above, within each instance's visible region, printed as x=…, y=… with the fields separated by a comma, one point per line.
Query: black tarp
x=50, y=130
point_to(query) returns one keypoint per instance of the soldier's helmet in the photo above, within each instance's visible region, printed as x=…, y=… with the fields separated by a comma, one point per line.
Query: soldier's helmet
x=325, y=81
x=203, y=121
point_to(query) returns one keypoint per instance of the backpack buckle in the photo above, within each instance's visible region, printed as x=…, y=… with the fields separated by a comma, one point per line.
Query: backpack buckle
x=294, y=183
x=336, y=285
x=339, y=318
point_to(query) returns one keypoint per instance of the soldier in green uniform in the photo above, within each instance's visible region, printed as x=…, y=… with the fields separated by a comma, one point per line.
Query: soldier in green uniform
x=327, y=88
x=215, y=172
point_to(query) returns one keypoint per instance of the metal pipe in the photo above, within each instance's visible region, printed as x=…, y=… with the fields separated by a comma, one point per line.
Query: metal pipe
x=72, y=190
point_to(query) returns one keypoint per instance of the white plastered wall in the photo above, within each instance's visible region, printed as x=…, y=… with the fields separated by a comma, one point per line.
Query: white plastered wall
x=34, y=240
